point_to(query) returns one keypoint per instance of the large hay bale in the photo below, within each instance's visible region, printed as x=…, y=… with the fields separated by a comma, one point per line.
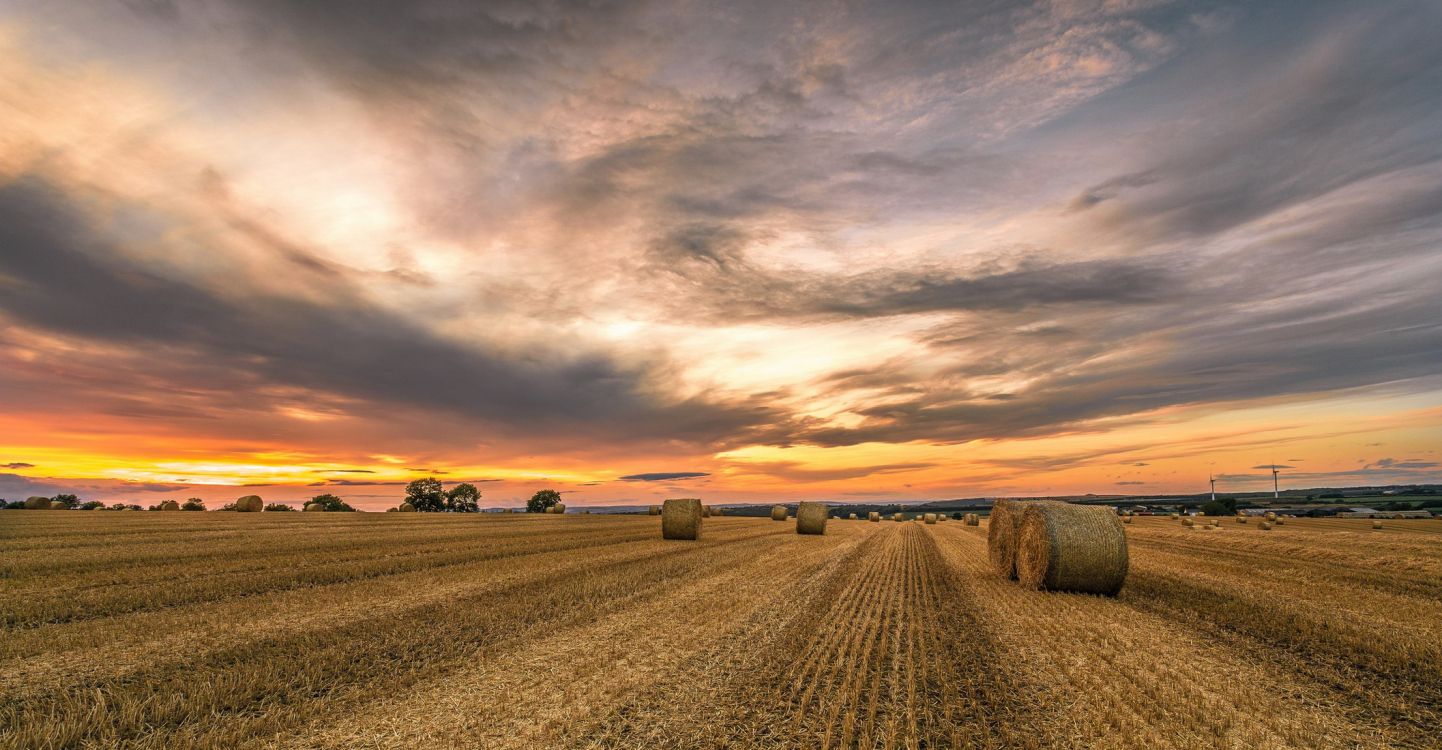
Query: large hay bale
x=778, y=512
x=654, y=510
x=811, y=518
x=681, y=518
x=314, y=508
x=249, y=504
x=930, y=518
x=1066, y=547
x=59, y=505
x=874, y=517
x=37, y=503
x=170, y=505
x=405, y=508
x=1001, y=535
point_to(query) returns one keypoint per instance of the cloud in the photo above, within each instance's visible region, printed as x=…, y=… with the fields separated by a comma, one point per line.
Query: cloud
x=797, y=472
x=17, y=465
x=1129, y=483
x=662, y=476
x=1273, y=466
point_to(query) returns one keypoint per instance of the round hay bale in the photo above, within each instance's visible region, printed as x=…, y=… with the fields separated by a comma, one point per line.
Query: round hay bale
x=314, y=508
x=811, y=518
x=405, y=508
x=1065, y=547
x=930, y=518
x=170, y=505
x=681, y=518
x=705, y=511
x=1271, y=516
x=1241, y=519
x=1265, y=526
x=559, y=508
x=1126, y=519
x=778, y=512
x=654, y=510
x=851, y=517
x=1174, y=515
x=58, y=505
x=898, y=517
x=873, y=517
x=37, y=503
x=249, y=504
x=1279, y=521
x=718, y=511
x=1376, y=525
x=973, y=519
x=392, y=510
x=1188, y=522
x=1001, y=535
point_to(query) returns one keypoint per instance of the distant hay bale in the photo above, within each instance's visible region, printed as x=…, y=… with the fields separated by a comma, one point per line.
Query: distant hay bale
x=778, y=512
x=58, y=505
x=1241, y=519
x=559, y=507
x=1126, y=519
x=1265, y=526
x=1376, y=525
x=1001, y=535
x=1271, y=516
x=314, y=507
x=1188, y=522
x=898, y=516
x=1175, y=515
x=681, y=518
x=654, y=510
x=170, y=505
x=1066, y=547
x=930, y=518
x=873, y=517
x=37, y=503
x=249, y=504
x=851, y=516
x=973, y=519
x=392, y=510
x=811, y=518
x=705, y=511
x=718, y=511
x=1279, y=521
x=406, y=508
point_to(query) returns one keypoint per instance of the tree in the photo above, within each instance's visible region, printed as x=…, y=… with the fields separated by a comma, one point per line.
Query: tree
x=542, y=500
x=426, y=495
x=93, y=505
x=463, y=498
x=193, y=503
x=1222, y=506
x=274, y=507
x=332, y=503
x=70, y=500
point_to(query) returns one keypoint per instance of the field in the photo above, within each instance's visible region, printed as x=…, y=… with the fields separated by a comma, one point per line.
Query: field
x=222, y=630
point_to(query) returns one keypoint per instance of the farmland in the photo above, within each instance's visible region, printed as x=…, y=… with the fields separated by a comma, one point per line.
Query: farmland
x=220, y=630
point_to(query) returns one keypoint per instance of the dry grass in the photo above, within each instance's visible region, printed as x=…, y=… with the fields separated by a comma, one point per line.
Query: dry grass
x=212, y=630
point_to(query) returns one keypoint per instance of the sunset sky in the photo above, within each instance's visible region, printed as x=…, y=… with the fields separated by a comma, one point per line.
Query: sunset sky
x=740, y=251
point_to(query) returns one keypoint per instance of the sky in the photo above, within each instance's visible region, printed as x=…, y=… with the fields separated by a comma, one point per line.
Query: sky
x=747, y=251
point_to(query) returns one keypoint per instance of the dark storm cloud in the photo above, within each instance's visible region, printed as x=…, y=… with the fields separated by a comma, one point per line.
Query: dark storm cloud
x=62, y=276
x=663, y=476
x=17, y=465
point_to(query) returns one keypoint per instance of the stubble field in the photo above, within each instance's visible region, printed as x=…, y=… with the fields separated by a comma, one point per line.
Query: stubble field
x=223, y=630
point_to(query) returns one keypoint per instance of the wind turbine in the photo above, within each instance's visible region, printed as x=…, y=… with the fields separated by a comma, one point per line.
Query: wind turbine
x=1276, y=494
x=1212, y=478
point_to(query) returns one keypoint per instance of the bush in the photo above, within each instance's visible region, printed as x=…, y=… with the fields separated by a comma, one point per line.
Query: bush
x=93, y=505
x=69, y=501
x=332, y=504
x=193, y=503
x=278, y=507
x=542, y=500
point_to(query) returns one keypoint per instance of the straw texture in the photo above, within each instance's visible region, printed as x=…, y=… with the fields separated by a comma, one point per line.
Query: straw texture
x=1066, y=547
x=681, y=519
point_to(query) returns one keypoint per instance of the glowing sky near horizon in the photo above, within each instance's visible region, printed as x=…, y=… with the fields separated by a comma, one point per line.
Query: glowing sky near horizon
x=743, y=251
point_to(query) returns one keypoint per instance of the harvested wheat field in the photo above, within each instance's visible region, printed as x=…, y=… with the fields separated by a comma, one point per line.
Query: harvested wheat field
x=211, y=630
